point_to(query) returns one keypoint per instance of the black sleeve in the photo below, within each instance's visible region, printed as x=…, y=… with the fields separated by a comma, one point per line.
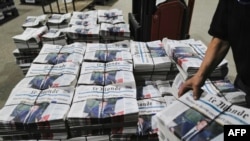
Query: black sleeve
x=219, y=24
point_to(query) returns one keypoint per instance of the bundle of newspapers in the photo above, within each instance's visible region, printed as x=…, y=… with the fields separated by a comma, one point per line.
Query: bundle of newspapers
x=83, y=27
x=38, y=105
x=96, y=110
x=58, y=21
x=56, y=54
x=189, y=54
x=203, y=119
x=25, y=58
x=101, y=52
x=114, y=32
x=35, y=21
x=30, y=38
x=112, y=16
x=151, y=61
x=222, y=88
x=54, y=36
x=145, y=127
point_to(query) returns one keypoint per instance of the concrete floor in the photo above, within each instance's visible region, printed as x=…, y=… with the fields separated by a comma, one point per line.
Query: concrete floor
x=11, y=74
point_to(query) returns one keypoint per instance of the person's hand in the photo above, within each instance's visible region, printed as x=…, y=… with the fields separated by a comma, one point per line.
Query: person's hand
x=194, y=83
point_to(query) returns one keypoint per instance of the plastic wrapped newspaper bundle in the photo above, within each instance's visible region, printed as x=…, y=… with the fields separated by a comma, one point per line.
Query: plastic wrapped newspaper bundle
x=34, y=121
x=107, y=78
x=145, y=128
x=85, y=15
x=76, y=47
x=114, y=32
x=58, y=21
x=222, y=88
x=151, y=61
x=100, y=52
x=188, y=55
x=54, y=36
x=110, y=15
x=30, y=38
x=98, y=116
x=79, y=33
x=42, y=82
x=188, y=119
x=35, y=21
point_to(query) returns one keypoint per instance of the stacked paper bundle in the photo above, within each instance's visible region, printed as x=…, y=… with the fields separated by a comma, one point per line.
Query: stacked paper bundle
x=189, y=119
x=25, y=58
x=55, y=54
x=188, y=55
x=151, y=61
x=28, y=45
x=113, y=26
x=46, y=89
x=98, y=109
x=30, y=38
x=83, y=27
x=38, y=105
x=58, y=21
x=35, y=21
x=112, y=16
x=100, y=52
x=54, y=36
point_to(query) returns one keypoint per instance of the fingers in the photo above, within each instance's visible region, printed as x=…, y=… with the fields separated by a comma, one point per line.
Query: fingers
x=197, y=93
x=183, y=89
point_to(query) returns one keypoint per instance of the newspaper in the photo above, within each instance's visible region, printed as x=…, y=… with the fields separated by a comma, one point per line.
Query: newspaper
x=119, y=66
x=42, y=82
x=57, y=58
x=84, y=92
x=84, y=22
x=58, y=18
x=84, y=15
x=111, y=31
x=124, y=78
x=30, y=38
x=88, y=67
x=18, y=95
x=63, y=95
x=138, y=47
x=91, y=47
x=34, y=21
x=123, y=45
x=108, y=56
x=143, y=62
x=109, y=13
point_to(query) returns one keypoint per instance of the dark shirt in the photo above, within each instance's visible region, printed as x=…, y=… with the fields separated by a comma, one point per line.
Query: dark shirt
x=231, y=22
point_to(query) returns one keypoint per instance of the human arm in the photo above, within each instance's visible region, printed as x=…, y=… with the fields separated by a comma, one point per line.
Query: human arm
x=215, y=53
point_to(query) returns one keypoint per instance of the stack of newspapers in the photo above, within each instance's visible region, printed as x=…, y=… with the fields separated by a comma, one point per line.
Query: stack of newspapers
x=30, y=38
x=58, y=21
x=203, y=119
x=114, y=32
x=28, y=45
x=189, y=54
x=101, y=52
x=24, y=58
x=113, y=26
x=151, y=61
x=83, y=27
x=105, y=98
x=150, y=102
x=34, y=21
x=38, y=105
x=56, y=54
x=54, y=36
x=222, y=88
